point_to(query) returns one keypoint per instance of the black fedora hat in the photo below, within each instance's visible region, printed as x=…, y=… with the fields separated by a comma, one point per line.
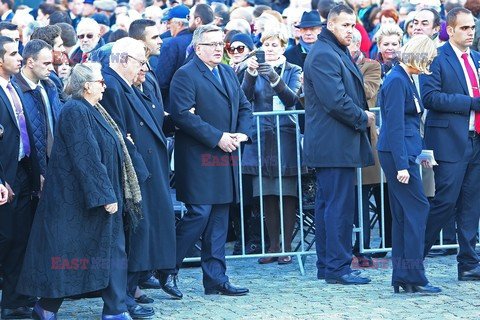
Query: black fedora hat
x=309, y=20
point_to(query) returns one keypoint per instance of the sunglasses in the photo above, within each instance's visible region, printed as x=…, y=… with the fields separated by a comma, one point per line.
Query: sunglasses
x=88, y=35
x=240, y=49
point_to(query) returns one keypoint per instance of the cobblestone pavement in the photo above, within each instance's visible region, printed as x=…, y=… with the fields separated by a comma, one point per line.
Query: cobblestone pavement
x=281, y=292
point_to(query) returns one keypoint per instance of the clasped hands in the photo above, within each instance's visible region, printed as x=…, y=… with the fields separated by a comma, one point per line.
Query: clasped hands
x=230, y=141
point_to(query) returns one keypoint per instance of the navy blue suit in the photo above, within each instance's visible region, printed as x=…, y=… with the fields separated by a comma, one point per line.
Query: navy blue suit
x=457, y=177
x=399, y=144
x=206, y=177
x=15, y=217
x=336, y=143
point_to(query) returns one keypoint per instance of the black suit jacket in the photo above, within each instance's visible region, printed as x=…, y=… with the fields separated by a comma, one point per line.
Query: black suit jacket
x=10, y=144
x=204, y=173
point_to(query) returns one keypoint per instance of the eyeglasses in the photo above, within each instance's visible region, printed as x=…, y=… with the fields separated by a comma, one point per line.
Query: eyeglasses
x=101, y=81
x=240, y=49
x=88, y=35
x=213, y=44
x=142, y=63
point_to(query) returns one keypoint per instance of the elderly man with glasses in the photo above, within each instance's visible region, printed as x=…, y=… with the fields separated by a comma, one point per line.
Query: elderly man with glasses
x=88, y=34
x=206, y=153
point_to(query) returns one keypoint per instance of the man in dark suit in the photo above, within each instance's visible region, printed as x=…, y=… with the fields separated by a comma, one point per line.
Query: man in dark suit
x=207, y=168
x=22, y=172
x=146, y=31
x=336, y=142
x=152, y=243
x=310, y=27
x=452, y=131
x=174, y=49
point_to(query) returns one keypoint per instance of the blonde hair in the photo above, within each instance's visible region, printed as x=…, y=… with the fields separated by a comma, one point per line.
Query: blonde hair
x=418, y=53
x=389, y=30
x=279, y=33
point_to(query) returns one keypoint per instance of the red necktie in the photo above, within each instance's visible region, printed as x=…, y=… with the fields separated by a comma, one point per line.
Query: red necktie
x=474, y=83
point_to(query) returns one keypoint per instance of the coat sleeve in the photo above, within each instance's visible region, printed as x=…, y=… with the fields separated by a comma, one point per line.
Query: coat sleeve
x=248, y=85
x=393, y=103
x=115, y=102
x=245, y=122
x=372, y=78
x=183, y=98
x=83, y=152
x=434, y=99
x=287, y=91
x=328, y=84
x=166, y=66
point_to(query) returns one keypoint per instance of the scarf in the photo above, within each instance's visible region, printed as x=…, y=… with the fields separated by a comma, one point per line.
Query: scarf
x=306, y=46
x=131, y=188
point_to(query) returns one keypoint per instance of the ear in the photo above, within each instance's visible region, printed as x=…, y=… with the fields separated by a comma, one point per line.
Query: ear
x=29, y=63
x=450, y=30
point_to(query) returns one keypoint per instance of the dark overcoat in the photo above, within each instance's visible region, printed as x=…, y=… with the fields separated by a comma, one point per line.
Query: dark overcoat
x=260, y=93
x=71, y=224
x=335, y=120
x=204, y=173
x=151, y=245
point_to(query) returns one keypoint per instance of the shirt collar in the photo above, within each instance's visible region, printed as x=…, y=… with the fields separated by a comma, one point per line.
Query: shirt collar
x=5, y=15
x=30, y=83
x=459, y=53
x=4, y=82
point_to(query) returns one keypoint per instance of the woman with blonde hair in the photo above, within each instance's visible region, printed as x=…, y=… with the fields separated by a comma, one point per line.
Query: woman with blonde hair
x=389, y=41
x=398, y=146
x=272, y=86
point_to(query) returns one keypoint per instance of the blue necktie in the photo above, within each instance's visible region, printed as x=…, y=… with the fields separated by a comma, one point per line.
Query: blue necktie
x=217, y=75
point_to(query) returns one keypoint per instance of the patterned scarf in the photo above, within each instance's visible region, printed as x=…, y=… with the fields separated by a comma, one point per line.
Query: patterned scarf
x=131, y=188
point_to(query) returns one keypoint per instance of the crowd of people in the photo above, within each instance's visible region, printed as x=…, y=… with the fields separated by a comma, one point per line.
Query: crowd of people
x=94, y=94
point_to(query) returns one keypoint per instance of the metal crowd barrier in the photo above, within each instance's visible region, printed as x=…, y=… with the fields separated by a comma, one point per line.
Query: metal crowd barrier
x=303, y=250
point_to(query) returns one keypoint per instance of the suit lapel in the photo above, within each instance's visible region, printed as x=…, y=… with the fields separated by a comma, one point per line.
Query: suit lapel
x=146, y=101
x=348, y=62
x=209, y=75
x=457, y=67
x=8, y=106
x=139, y=108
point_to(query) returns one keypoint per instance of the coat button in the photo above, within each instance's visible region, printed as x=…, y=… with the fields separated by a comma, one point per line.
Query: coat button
x=149, y=150
x=153, y=106
x=141, y=123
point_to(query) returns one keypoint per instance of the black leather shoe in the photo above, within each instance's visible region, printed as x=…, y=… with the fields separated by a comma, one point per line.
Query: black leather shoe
x=227, y=289
x=41, y=314
x=470, y=275
x=18, y=313
x=355, y=272
x=168, y=283
x=151, y=283
x=428, y=288
x=347, y=279
x=144, y=299
x=441, y=252
x=140, y=312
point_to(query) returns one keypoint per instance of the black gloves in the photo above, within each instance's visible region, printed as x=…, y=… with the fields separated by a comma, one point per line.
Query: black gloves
x=267, y=70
